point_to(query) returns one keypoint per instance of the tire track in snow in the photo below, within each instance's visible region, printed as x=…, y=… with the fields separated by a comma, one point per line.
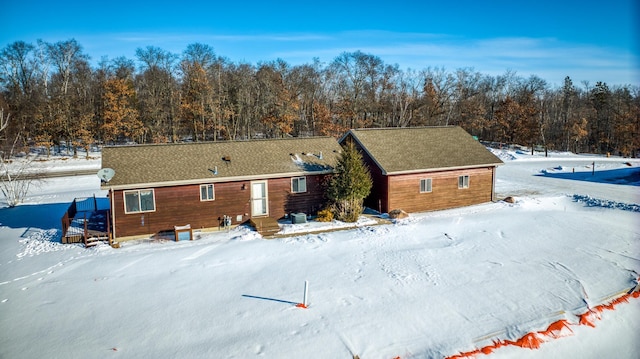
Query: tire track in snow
x=199, y=253
x=132, y=263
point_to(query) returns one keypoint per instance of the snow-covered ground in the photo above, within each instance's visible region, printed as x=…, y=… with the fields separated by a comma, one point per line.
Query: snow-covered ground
x=60, y=162
x=434, y=285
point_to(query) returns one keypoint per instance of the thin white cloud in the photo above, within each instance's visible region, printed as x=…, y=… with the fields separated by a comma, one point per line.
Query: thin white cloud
x=189, y=38
x=547, y=58
x=279, y=38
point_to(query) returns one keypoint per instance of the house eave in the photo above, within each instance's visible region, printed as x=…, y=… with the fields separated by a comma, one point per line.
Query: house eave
x=427, y=170
x=107, y=186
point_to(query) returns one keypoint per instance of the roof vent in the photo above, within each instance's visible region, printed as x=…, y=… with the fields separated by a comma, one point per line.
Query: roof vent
x=226, y=158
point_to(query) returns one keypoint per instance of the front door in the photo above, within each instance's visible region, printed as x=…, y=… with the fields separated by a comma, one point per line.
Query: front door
x=259, y=199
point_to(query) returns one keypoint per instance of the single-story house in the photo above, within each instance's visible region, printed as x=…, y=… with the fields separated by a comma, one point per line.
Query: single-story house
x=156, y=188
x=425, y=169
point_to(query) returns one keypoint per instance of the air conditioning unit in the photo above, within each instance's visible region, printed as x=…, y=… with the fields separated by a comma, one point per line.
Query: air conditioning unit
x=297, y=218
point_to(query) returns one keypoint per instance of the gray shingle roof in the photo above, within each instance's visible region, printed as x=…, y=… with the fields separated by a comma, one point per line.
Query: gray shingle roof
x=169, y=164
x=405, y=150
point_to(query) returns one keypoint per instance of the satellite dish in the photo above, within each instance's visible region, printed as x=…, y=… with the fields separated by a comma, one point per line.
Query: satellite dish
x=106, y=174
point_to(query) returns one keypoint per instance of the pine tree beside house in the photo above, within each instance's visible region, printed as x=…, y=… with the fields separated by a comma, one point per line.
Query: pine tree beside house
x=350, y=185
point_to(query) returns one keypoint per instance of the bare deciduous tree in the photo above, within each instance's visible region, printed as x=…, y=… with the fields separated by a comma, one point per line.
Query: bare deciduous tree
x=16, y=175
x=4, y=121
x=55, y=96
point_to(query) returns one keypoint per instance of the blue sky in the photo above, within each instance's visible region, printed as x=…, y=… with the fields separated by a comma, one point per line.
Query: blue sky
x=586, y=40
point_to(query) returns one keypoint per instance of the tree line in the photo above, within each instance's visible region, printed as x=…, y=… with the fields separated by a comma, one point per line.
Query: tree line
x=54, y=96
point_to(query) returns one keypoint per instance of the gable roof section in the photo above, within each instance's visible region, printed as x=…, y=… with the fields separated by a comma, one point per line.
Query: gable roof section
x=189, y=163
x=410, y=150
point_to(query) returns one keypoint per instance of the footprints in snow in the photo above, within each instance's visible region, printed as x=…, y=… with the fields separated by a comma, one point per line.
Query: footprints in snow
x=373, y=230
x=407, y=272
x=309, y=238
x=258, y=349
x=404, y=268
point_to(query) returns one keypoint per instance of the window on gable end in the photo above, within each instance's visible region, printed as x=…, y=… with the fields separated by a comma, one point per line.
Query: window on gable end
x=425, y=185
x=463, y=181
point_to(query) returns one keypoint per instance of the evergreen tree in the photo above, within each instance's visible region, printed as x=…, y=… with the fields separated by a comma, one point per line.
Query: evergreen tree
x=350, y=185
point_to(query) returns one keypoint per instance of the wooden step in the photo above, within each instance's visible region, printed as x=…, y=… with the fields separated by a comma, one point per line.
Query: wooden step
x=97, y=239
x=70, y=238
x=266, y=226
x=92, y=241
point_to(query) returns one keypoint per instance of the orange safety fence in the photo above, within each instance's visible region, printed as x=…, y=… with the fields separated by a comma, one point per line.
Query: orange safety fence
x=558, y=329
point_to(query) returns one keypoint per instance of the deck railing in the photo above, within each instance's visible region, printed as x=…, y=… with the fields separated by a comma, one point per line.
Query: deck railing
x=84, y=234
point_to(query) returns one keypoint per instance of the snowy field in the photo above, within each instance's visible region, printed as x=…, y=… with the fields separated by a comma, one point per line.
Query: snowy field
x=431, y=286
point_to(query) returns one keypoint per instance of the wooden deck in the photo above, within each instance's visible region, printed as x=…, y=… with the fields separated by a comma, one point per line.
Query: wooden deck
x=85, y=222
x=266, y=226
x=87, y=225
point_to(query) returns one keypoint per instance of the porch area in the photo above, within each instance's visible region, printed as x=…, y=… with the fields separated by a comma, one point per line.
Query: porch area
x=266, y=226
x=88, y=221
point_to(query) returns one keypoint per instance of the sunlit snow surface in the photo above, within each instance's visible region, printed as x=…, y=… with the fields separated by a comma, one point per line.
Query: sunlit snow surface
x=430, y=286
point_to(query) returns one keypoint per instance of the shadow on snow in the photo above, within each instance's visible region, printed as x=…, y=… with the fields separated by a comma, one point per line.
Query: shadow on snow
x=271, y=299
x=35, y=217
x=621, y=176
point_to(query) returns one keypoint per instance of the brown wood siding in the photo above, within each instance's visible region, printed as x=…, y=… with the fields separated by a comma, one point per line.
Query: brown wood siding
x=282, y=201
x=404, y=192
x=378, y=198
x=181, y=205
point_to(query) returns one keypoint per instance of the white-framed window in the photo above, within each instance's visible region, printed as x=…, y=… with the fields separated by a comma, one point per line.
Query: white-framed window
x=207, y=193
x=138, y=201
x=463, y=181
x=425, y=185
x=299, y=185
